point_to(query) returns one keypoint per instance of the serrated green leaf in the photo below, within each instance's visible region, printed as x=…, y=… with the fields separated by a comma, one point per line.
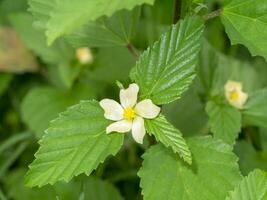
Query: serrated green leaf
x=214, y=172
x=224, y=121
x=55, y=16
x=37, y=117
x=238, y=15
x=255, y=111
x=252, y=187
x=166, y=70
x=168, y=135
x=249, y=158
x=107, y=31
x=35, y=40
x=75, y=143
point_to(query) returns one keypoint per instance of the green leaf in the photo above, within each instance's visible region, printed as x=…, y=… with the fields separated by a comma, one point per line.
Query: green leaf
x=75, y=143
x=5, y=79
x=224, y=121
x=43, y=104
x=117, y=30
x=214, y=172
x=249, y=158
x=254, y=186
x=55, y=16
x=245, y=22
x=169, y=136
x=166, y=70
x=255, y=111
x=35, y=40
x=96, y=189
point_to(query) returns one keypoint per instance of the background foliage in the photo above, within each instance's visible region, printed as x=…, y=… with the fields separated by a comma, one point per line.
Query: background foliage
x=180, y=52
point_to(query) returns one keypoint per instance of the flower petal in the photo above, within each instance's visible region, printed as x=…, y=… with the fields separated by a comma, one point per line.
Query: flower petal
x=113, y=109
x=138, y=129
x=122, y=126
x=128, y=97
x=147, y=109
x=241, y=100
x=232, y=85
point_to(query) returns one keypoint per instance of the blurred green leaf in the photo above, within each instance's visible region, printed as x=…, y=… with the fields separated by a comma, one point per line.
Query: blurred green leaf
x=35, y=40
x=214, y=172
x=166, y=70
x=55, y=16
x=5, y=79
x=224, y=121
x=246, y=23
x=249, y=158
x=75, y=143
x=168, y=135
x=42, y=104
x=255, y=110
x=107, y=31
x=254, y=186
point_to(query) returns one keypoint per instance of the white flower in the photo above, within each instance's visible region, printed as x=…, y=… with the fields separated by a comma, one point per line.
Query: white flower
x=84, y=55
x=234, y=94
x=129, y=114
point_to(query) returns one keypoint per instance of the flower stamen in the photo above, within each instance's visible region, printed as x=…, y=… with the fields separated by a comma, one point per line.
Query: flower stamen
x=234, y=96
x=129, y=114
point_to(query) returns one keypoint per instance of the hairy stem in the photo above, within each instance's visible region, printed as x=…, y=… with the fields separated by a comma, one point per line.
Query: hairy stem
x=132, y=50
x=213, y=14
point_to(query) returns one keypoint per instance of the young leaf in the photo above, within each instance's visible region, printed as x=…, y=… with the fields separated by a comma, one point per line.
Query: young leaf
x=107, y=31
x=167, y=69
x=224, y=121
x=75, y=143
x=255, y=111
x=54, y=100
x=254, y=186
x=169, y=136
x=245, y=22
x=55, y=16
x=214, y=172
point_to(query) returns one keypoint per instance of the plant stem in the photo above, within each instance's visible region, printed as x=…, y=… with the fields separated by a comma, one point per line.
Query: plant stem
x=131, y=48
x=213, y=14
x=13, y=140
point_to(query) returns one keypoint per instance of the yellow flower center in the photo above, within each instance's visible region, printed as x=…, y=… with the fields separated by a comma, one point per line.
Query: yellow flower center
x=234, y=95
x=129, y=114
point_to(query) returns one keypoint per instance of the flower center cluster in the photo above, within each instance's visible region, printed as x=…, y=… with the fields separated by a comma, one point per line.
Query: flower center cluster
x=234, y=95
x=129, y=114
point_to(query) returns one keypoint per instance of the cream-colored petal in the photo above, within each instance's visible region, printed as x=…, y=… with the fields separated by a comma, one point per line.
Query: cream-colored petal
x=122, y=126
x=138, y=129
x=232, y=85
x=241, y=100
x=147, y=109
x=113, y=109
x=128, y=97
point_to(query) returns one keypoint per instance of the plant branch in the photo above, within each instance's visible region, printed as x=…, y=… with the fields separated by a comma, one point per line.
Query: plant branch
x=132, y=50
x=213, y=14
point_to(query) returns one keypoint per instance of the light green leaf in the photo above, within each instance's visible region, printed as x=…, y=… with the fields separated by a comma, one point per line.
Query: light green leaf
x=95, y=189
x=255, y=111
x=169, y=136
x=42, y=104
x=245, y=22
x=214, y=172
x=249, y=158
x=113, y=31
x=4, y=82
x=35, y=40
x=252, y=187
x=166, y=70
x=64, y=16
x=75, y=143
x=224, y=121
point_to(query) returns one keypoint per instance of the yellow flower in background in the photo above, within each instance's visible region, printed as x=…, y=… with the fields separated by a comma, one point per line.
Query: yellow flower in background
x=234, y=94
x=129, y=115
x=84, y=55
